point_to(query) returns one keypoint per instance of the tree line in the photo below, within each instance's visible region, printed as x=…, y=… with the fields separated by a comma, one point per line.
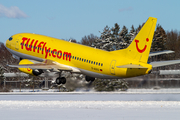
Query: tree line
x=115, y=38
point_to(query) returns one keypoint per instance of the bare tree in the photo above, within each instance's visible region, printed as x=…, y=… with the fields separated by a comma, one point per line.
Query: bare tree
x=173, y=42
x=88, y=40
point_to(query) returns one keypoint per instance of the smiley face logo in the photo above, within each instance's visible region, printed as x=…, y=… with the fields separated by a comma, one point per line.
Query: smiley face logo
x=141, y=50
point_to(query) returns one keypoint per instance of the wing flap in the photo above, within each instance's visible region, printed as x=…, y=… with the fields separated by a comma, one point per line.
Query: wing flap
x=46, y=64
x=131, y=66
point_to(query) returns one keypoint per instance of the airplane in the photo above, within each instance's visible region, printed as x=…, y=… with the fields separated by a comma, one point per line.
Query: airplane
x=41, y=54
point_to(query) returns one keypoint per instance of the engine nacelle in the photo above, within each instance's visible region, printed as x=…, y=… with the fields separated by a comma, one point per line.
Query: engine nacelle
x=88, y=78
x=35, y=72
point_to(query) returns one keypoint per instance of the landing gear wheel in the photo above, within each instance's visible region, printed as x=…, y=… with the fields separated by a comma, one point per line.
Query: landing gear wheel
x=89, y=79
x=63, y=80
x=60, y=80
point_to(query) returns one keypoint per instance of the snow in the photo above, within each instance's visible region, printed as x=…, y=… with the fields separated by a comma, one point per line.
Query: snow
x=89, y=106
x=140, y=91
x=71, y=96
x=78, y=110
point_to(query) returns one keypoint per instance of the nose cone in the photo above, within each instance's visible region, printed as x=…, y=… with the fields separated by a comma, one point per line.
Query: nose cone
x=7, y=43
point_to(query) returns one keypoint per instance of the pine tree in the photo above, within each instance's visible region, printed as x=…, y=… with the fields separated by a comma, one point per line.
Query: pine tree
x=112, y=39
x=173, y=42
x=132, y=34
x=123, y=38
x=159, y=39
x=115, y=30
x=105, y=40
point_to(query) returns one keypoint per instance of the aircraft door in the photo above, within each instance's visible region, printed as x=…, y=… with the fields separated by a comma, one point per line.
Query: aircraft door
x=17, y=44
x=112, y=67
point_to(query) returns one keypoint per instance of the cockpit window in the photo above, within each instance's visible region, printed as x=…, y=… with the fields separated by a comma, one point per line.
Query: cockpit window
x=10, y=38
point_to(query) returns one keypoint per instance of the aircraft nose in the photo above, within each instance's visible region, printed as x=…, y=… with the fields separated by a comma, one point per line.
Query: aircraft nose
x=7, y=41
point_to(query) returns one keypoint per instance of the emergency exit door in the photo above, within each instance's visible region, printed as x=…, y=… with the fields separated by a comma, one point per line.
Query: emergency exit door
x=112, y=67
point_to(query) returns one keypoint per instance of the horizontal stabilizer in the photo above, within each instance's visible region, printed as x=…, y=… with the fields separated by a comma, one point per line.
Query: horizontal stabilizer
x=160, y=52
x=164, y=63
x=130, y=66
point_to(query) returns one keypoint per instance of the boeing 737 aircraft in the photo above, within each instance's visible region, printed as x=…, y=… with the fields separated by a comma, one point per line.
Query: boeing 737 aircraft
x=39, y=53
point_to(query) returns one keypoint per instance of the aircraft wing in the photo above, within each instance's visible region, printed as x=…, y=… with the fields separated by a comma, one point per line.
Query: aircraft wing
x=130, y=66
x=45, y=65
x=164, y=63
x=160, y=52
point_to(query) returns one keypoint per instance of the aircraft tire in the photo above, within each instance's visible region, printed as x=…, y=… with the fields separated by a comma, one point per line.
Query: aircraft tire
x=58, y=81
x=88, y=79
x=63, y=80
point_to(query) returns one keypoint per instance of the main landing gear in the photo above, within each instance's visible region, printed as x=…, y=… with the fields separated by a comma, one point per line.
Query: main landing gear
x=89, y=79
x=60, y=80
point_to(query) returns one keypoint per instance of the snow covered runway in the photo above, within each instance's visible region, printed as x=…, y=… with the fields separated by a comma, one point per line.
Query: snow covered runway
x=90, y=106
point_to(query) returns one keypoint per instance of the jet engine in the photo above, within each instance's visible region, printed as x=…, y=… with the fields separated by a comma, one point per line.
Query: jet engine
x=88, y=78
x=34, y=72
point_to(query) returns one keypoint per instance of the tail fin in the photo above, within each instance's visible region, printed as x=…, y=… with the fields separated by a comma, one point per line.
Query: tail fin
x=140, y=47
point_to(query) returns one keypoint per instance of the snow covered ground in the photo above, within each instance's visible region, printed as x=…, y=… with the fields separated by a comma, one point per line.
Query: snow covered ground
x=89, y=106
x=89, y=110
x=162, y=90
